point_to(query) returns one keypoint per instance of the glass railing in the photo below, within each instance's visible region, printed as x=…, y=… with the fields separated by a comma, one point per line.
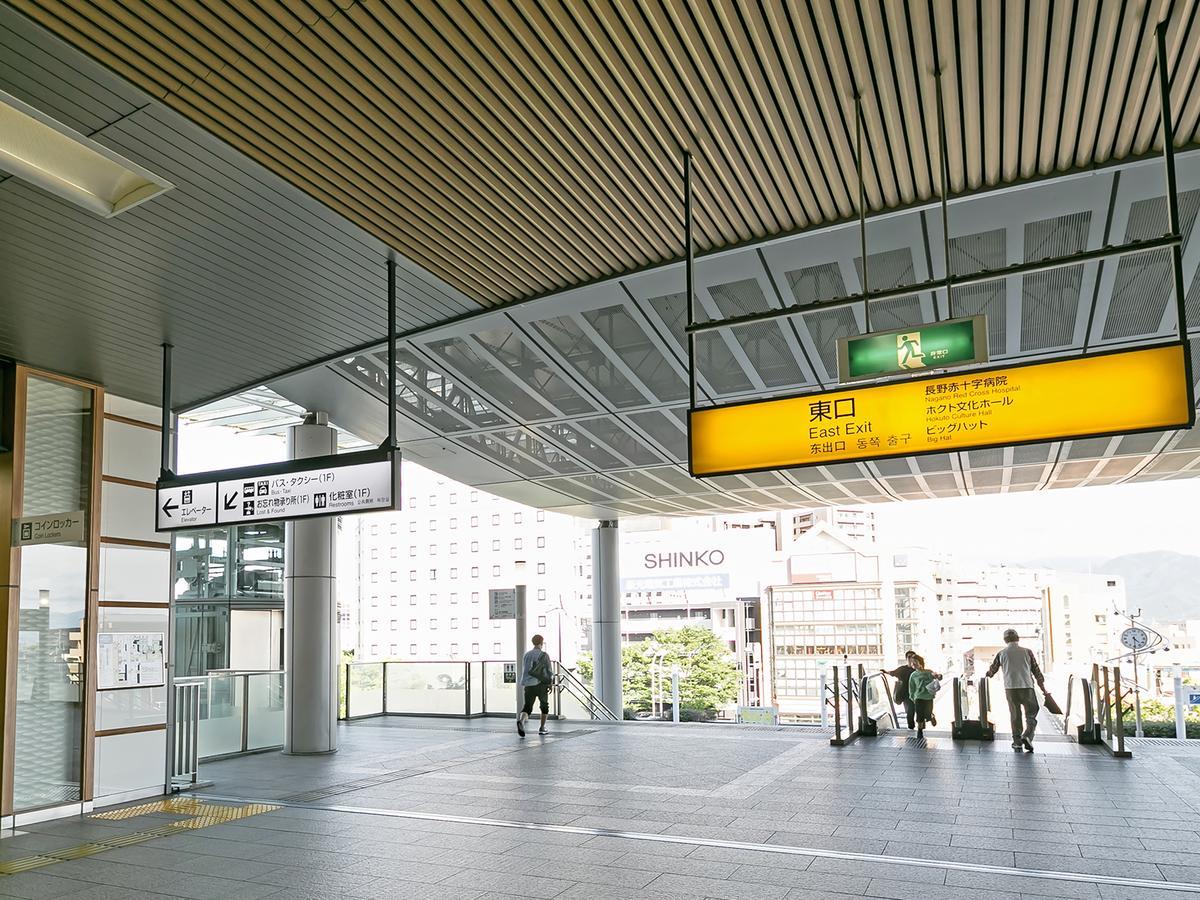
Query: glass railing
x=450, y=689
x=237, y=712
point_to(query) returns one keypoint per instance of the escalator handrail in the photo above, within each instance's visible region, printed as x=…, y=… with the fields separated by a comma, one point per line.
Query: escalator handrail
x=887, y=692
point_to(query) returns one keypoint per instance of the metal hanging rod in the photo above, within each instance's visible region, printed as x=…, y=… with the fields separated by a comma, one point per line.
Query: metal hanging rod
x=1053, y=262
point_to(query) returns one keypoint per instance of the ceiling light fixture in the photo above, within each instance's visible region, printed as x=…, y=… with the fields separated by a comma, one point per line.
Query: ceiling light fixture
x=37, y=149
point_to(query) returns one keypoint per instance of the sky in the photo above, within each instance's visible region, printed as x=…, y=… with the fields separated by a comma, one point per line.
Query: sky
x=1099, y=522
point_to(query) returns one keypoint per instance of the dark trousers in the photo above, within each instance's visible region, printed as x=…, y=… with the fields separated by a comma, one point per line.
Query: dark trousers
x=1022, y=700
x=924, y=711
x=910, y=711
x=537, y=692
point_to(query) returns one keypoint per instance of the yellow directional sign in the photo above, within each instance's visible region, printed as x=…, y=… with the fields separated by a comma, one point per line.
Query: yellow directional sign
x=1112, y=393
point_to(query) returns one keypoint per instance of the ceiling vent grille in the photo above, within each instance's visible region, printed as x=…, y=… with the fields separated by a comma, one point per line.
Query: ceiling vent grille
x=714, y=360
x=763, y=342
x=1143, y=285
x=1050, y=300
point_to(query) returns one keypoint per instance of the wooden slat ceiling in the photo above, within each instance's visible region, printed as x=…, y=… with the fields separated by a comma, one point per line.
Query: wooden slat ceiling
x=518, y=148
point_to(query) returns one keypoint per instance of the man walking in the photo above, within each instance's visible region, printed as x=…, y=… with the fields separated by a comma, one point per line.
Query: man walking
x=536, y=676
x=1020, y=673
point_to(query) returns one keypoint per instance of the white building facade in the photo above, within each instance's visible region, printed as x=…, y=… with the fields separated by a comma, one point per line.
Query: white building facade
x=413, y=585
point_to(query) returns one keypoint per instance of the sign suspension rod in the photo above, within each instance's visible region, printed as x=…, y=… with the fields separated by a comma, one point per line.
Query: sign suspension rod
x=862, y=207
x=1168, y=139
x=690, y=253
x=943, y=152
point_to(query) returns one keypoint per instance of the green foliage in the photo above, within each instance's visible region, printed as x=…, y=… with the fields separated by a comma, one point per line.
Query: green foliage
x=708, y=671
x=1158, y=719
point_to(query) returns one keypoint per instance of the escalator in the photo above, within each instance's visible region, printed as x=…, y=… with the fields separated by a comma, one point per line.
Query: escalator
x=972, y=711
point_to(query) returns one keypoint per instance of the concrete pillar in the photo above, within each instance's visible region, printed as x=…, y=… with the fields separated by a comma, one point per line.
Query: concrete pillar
x=606, y=614
x=310, y=686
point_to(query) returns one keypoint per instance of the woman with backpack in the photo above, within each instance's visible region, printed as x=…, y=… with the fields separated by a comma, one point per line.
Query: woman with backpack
x=923, y=686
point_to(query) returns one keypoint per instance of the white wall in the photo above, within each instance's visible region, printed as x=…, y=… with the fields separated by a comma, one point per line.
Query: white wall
x=135, y=592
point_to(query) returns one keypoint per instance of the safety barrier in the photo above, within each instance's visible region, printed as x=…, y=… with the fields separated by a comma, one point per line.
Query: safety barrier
x=185, y=755
x=844, y=695
x=455, y=690
x=1110, y=709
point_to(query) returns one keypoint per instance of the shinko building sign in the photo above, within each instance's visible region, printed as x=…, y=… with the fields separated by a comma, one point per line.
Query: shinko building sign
x=1128, y=391
x=941, y=345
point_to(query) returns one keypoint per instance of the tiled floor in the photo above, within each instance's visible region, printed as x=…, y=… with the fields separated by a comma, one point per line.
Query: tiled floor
x=448, y=809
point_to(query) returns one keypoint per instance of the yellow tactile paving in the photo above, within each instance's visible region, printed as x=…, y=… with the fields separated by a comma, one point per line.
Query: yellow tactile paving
x=200, y=815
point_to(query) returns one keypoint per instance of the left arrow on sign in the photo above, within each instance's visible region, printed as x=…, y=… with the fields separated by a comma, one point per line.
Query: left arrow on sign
x=168, y=508
x=231, y=500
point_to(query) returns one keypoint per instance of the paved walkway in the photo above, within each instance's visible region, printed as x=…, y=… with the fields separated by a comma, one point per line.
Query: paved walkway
x=466, y=810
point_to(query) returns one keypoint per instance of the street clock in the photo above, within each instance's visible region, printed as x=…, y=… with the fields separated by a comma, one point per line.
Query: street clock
x=1135, y=638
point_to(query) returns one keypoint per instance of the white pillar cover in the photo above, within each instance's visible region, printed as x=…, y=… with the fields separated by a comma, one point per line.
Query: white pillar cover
x=310, y=693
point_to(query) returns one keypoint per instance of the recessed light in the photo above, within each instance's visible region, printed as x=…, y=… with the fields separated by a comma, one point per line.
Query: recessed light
x=44, y=152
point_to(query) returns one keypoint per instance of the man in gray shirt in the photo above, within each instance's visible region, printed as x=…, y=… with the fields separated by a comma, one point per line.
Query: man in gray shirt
x=537, y=673
x=1020, y=673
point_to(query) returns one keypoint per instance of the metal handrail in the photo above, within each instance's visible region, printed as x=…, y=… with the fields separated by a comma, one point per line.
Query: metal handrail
x=566, y=680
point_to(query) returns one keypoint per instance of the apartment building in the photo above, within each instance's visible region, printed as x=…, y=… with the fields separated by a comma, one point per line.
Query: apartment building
x=413, y=584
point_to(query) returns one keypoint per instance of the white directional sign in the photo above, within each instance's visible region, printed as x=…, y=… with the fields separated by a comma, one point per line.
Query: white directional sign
x=187, y=507
x=502, y=603
x=312, y=492
x=322, y=486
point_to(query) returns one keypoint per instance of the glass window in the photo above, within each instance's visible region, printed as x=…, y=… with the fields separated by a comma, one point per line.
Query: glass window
x=542, y=623
x=516, y=518
x=496, y=545
x=474, y=546
x=412, y=624
x=496, y=519
x=541, y=542
x=517, y=544
x=57, y=478
x=474, y=521
x=541, y=569
x=496, y=648
x=412, y=649
x=541, y=515
x=474, y=623
x=495, y=570
x=475, y=649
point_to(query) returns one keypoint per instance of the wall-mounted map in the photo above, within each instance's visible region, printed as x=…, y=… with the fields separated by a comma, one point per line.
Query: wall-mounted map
x=130, y=659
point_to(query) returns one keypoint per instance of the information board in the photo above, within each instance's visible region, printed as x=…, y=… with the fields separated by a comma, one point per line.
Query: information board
x=130, y=659
x=502, y=603
x=1193, y=696
x=939, y=345
x=1112, y=393
x=365, y=481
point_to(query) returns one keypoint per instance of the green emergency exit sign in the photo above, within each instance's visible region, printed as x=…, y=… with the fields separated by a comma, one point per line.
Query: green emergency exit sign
x=920, y=348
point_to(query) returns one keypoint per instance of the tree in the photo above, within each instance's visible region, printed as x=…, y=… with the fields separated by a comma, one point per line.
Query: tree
x=708, y=671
